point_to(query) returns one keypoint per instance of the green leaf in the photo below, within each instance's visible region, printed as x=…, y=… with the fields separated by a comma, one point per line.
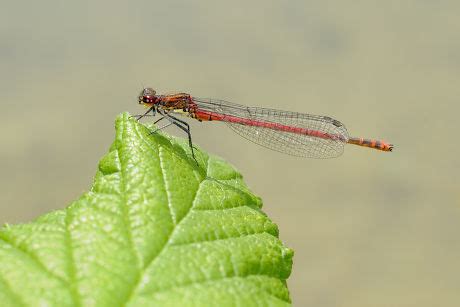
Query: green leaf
x=154, y=230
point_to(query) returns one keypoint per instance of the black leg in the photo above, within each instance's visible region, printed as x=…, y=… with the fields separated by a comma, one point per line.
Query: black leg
x=158, y=120
x=187, y=130
x=183, y=125
x=145, y=114
x=158, y=129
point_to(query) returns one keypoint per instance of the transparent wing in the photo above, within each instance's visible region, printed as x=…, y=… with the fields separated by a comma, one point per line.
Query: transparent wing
x=287, y=132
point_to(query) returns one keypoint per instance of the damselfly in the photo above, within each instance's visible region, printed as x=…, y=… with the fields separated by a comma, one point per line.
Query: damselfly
x=296, y=134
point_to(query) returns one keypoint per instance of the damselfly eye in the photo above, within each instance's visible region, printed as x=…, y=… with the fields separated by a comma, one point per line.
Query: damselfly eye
x=147, y=95
x=148, y=91
x=143, y=99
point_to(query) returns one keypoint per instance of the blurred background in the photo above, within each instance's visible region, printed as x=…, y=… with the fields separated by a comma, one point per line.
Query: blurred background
x=368, y=228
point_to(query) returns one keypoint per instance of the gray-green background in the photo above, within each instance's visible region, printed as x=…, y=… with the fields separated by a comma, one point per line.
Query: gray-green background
x=368, y=228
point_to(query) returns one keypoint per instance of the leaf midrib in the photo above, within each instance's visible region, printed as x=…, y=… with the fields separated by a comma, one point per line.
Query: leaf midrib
x=176, y=225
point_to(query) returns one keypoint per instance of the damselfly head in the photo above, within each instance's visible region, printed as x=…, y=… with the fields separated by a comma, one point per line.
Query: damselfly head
x=147, y=96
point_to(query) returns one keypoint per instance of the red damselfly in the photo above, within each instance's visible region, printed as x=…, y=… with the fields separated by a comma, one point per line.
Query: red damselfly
x=296, y=134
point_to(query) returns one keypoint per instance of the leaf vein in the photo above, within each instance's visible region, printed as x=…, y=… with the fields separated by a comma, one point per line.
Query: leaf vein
x=8, y=290
x=170, y=208
x=223, y=239
x=167, y=243
x=71, y=263
x=34, y=259
x=125, y=206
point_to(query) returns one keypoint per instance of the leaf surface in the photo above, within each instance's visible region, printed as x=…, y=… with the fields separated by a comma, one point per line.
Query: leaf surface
x=154, y=230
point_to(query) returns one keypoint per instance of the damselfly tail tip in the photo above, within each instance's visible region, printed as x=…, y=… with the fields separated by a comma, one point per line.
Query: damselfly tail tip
x=371, y=143
x=383, y=146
